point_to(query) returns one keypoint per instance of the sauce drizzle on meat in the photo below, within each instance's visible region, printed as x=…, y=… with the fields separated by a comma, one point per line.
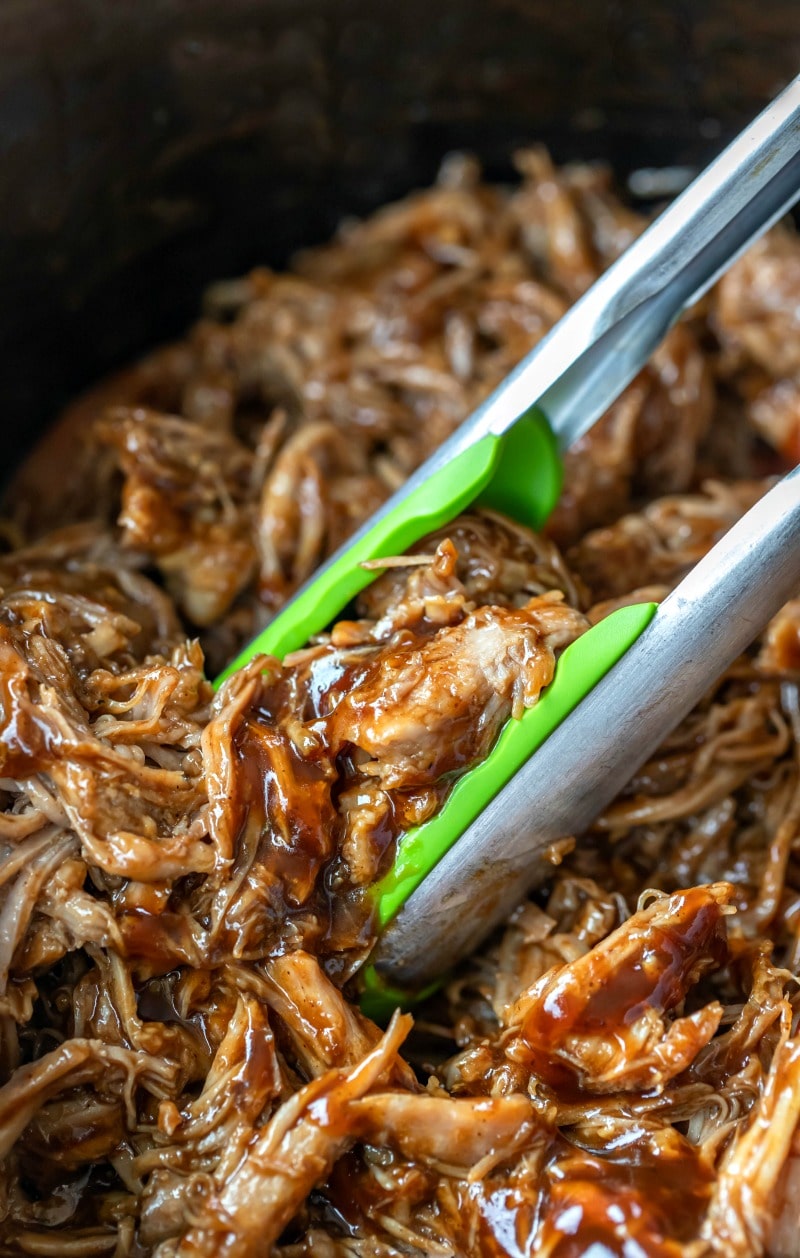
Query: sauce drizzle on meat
x=185, y=876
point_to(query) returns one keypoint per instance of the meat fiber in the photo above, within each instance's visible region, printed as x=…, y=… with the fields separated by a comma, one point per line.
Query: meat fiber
x=186, y=873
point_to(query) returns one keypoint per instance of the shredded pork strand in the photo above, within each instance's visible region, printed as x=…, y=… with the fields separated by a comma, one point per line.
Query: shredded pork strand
x=185, y=873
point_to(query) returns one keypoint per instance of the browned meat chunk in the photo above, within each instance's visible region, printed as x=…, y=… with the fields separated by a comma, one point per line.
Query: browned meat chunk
x=758, y=304
x=661, y=543
x=182, y=504
x=426, y=708
x=600, y=1019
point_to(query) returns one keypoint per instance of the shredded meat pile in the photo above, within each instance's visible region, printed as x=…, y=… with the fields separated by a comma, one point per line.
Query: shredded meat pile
x=185, y=875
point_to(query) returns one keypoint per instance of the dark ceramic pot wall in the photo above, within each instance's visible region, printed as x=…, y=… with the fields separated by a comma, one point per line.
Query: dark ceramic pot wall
x=148, y=146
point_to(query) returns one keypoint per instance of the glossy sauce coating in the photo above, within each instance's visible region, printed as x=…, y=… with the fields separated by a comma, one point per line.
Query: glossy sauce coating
x=185, y=876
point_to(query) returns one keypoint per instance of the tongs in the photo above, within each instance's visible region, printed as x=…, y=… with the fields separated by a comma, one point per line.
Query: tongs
x=621, y=687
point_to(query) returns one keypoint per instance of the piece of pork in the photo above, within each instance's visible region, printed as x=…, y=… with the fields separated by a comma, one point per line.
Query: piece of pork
x=424, y=708
x=754, y=1204
x=213, y=1131
x=660, y=544
x=245, y=1214
x=757, y=308
x=481, y=558
x=779, y=652
x=187, y=502
x=600, y=1020
x=645, y=444
x=76, y=1063
x=443, y=1132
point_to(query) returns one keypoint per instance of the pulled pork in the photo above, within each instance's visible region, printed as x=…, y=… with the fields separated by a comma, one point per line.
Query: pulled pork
x=185, y=875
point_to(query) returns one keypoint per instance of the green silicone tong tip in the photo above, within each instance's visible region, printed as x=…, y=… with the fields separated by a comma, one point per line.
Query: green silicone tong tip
x=519, y=474
x=575, y=373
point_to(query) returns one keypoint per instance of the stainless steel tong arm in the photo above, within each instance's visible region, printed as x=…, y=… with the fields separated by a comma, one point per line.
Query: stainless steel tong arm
x=595, y=350
x=703, y=625
x=574, y=374
x=604, y=340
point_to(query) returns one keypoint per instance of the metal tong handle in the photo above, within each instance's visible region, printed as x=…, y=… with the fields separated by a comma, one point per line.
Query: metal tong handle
x=605, y=339
x=595, y=350
x=700, y=628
